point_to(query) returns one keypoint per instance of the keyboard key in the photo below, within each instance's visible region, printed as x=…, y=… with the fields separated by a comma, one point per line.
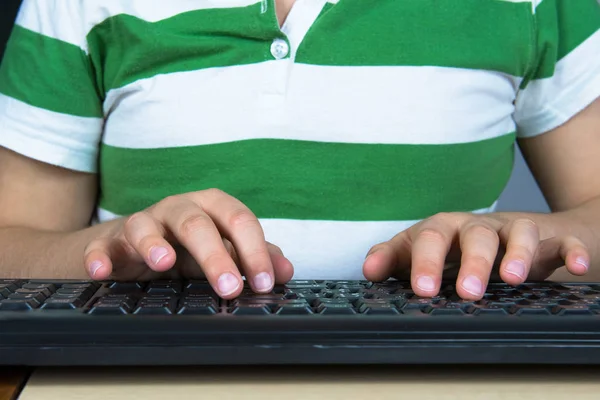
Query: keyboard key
x=492, y=309
x=447, y=311
x=113, y=304
x=416, y=303
x=62, y=304
x=154, y=309
x=251, y=309
x=6, y=289
x=198, y=285
x=126, y=287
x=37, y=297
x=529, y=310
x=8, y=286
x=369, y=302
x=109, y=309
x=292, y=307
x=572, y=310
x=18, y=305
x=80, y=293
x=588, y=296
x=87, y=290
x=153, y=304
x=51, y=288
x=261, y=297
x=333, y=301
x=445, y=308
x=310, y=297
x=45, y=292
x=295, y=285
x=336, y=309
x=190, y=297
x=164, y=287
x=198, y=308
x=256, y=303
x=85, y=285
x=379, y=309
x=348, y=296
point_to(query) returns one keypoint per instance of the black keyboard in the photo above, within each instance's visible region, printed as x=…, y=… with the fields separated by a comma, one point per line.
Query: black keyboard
x=63, y=323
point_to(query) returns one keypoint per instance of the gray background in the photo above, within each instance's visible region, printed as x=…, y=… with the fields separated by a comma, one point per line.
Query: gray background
x=522, y=192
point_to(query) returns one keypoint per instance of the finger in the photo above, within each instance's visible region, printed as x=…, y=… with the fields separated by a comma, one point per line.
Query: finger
x=554, y=253
x=97, y=258
x=576, y=255
x=147, y=237
x=190, y=268
x=195, y=230
x=380, y=262
x=186, y=266
x=283, y=268
x=430, y=247
x=103, y=258
x=522, y=242
x=237, y=223
x=479, y=244
x=386, y=259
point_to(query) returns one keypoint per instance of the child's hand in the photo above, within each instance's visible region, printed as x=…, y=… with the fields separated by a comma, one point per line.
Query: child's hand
x=477, y=242
x=220, y=233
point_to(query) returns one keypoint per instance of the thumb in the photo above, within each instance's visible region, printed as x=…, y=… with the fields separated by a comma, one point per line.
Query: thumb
x=109, y=257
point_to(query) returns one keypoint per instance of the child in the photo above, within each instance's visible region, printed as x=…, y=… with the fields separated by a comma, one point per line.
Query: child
x=211, y=137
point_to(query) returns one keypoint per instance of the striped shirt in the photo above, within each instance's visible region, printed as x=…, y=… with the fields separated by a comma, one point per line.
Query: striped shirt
x=340, y=129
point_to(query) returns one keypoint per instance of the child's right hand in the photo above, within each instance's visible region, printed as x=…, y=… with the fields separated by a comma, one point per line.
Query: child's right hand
x=220, y=233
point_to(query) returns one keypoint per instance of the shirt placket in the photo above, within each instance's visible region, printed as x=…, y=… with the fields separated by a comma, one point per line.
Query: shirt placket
x=273, y=92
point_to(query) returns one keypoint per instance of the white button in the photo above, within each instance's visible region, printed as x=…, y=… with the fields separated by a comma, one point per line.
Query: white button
x=279, y=49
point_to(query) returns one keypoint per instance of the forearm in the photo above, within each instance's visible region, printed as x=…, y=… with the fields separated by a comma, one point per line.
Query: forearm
x=29, y=253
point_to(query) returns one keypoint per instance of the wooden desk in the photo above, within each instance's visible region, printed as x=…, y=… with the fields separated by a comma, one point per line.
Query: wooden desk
x=11, y=381
x=312, y=383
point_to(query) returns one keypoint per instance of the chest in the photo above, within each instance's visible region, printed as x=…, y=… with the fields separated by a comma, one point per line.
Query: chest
x=389, y=70
x=344, y=95
x=283, y=8
x=186, y=35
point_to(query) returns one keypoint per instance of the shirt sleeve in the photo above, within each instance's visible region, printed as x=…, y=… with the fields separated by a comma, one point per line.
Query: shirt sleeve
x=50, y=106
x=564, y=77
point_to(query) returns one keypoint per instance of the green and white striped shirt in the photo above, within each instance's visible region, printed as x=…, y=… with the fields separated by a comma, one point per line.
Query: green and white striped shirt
x=339, y=130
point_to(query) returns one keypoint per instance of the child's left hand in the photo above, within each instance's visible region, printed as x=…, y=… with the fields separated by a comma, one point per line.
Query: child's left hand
x=479, y=242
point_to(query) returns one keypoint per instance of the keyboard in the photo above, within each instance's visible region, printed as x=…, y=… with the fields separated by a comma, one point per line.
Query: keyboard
x=73, y=323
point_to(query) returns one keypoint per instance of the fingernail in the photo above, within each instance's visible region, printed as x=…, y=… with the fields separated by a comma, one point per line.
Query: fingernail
x=94, y=267
x=583, y=262
x=426, y=283
x=516, y=268
x=227, y=283
x=371, y=252
x=263, y=282
x=473, y=285
x=157, y=254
